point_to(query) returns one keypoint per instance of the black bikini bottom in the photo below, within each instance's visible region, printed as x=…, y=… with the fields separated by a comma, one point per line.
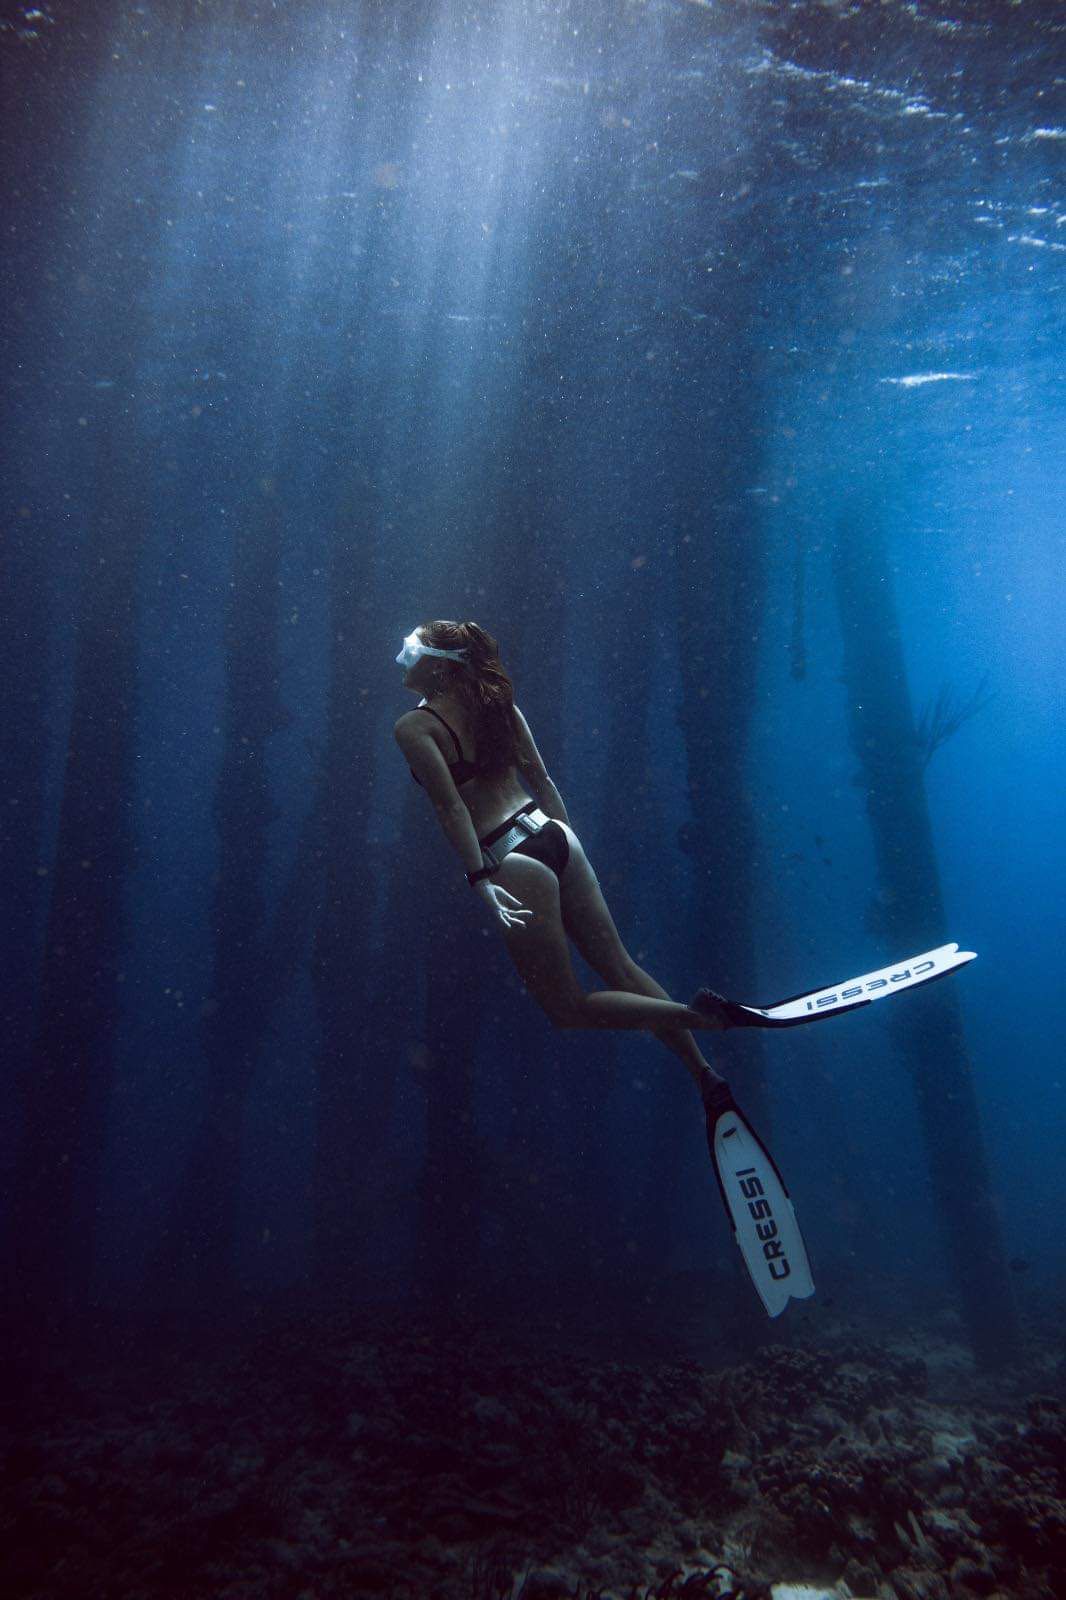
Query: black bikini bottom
x=549, y=845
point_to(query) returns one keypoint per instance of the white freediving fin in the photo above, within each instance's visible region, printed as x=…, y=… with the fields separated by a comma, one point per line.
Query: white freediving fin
x=754, y=1194
x=839, y=997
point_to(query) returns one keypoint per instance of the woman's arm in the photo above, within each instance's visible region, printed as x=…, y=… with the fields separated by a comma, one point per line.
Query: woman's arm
x=427, y=763
x=534, y=774
x=430, y=767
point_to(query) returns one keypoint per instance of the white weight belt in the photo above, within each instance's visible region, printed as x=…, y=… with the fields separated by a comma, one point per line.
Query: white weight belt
x=526, y=825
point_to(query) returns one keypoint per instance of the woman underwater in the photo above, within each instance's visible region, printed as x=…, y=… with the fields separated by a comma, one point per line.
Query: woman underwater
x=471, y=749
x=527, y=863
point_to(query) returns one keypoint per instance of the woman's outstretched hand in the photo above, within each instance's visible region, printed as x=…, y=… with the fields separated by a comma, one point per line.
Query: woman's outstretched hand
x=495, y=897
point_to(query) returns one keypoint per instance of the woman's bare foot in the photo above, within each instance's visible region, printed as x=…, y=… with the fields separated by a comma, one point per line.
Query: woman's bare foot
x=714, y=1011
x=709, y=1082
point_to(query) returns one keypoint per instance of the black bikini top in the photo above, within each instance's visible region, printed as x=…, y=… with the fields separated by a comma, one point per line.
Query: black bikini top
x=462, y=770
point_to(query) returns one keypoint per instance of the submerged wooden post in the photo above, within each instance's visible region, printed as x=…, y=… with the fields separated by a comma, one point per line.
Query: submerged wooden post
x=928, y=1028
x=59, y=1164
x=195, y=1256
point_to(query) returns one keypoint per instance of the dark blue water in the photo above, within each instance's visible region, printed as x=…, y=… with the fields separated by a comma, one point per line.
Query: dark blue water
x=620, y=329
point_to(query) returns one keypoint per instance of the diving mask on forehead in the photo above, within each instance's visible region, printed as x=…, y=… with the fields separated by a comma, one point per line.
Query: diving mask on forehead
x=414, y=649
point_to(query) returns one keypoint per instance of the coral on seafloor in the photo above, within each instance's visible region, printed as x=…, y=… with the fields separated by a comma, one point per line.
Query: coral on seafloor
x=376, y=1455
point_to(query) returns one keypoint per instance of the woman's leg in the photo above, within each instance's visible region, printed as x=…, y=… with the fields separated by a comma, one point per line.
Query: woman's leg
x=670, y=1022
x=604, y=1008
x=540, y=952
x=678, y=1040
x=588, y=921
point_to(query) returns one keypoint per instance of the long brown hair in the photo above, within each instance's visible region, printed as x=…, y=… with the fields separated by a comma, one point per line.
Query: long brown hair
x=480, y=682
